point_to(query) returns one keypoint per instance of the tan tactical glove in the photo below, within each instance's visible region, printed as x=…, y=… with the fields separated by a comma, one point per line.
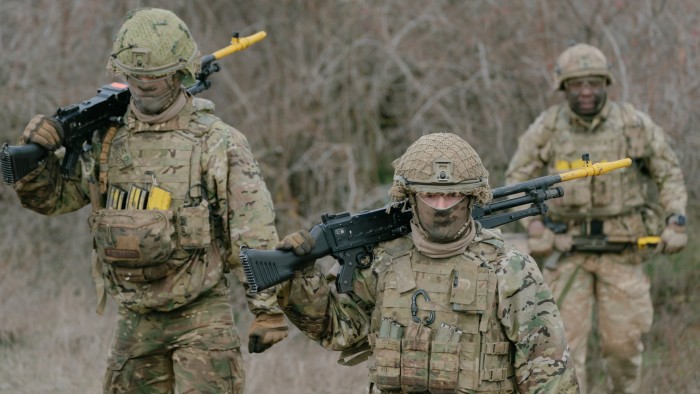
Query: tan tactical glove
x=563, y=242
x=673, y=238
x=44, y=131
x=266, y=331
x=540, y=239
x=300, y=242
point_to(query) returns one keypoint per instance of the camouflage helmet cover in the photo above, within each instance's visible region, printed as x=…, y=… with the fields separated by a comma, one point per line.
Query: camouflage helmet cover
x=581, y=60
x=440, y=163
x=154, y=42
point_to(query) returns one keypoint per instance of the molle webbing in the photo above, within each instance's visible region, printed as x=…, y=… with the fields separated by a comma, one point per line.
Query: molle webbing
x=104, y=155
x=461, y=293
x=195, y=190
x=169, y=155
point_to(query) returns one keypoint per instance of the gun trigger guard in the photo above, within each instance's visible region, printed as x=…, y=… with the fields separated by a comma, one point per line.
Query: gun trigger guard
x=365, y=259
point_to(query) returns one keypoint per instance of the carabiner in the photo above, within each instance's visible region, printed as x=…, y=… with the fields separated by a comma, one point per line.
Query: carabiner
x=414, y=308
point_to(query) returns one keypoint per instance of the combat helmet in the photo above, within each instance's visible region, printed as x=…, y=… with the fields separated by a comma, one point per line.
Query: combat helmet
x=440, y=163
x=581, y=60
x=154, y=42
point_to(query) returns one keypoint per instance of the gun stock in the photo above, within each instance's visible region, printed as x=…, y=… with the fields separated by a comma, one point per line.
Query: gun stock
x=350, y=239
x=79, y=121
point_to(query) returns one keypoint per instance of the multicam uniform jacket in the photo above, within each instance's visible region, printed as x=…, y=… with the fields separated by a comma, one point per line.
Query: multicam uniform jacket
x=482, y=321
x=180, y=252
x=555, y=142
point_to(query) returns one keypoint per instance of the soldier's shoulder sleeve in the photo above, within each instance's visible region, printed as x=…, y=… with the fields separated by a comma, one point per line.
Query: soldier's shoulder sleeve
x=252, y=216
x=531, y=320
x=662, y=163
x=533, y=149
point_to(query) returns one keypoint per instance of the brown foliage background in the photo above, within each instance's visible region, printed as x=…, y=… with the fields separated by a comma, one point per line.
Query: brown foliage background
x=336, y=91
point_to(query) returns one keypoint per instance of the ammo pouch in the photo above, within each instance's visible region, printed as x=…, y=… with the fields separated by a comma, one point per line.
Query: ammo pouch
x=403, y=364
x=138, y=244
x=387, y=353
x=415, y=358
x=444, y=368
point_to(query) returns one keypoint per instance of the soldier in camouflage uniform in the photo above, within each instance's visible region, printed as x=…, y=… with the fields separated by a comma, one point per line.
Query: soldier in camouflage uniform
x=448, y=309
x=616, y=206
x=166, y=267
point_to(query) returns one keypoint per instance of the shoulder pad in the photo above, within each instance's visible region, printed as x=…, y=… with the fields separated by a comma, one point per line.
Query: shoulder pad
x=630, y=116
x=202, y=105
x=203, y=119
x=398, y=245
x=487, y=244
x=550, y=116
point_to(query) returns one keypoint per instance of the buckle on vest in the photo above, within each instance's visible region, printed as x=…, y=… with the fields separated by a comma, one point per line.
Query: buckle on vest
x=494, y=375
x=496, y=348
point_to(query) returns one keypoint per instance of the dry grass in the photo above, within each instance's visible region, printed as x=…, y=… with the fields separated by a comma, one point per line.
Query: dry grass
x=336, y=91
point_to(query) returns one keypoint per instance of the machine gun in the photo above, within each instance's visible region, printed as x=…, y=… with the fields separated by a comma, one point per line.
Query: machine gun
x=351, y=238
x=79, y=121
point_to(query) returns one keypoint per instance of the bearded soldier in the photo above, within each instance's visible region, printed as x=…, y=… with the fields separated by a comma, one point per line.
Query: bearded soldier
x=165, y=265
x=449, y=308
x=615, y=207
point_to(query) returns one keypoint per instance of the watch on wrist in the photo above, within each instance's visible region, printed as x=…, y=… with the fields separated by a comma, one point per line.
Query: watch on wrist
x=677, y=219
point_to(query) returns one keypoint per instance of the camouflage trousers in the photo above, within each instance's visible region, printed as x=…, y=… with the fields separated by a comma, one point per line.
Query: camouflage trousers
x=616, y=285
x=194, y=348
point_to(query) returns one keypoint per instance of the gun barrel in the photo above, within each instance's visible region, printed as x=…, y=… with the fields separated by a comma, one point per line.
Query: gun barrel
x=238, y=44
x=549, y=180
x=537, y=183
x=595, y=169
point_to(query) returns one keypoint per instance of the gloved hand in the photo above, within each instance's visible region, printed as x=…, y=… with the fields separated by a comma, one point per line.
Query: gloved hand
x=540, y=239
x=673, y=238
x=563, y=242
x=301, y=242
x=266, y=331
x=44, y=131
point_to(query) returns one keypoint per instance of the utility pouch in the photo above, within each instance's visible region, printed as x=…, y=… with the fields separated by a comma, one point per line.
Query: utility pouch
x=415, y=358
x=469, y=289
x=193, y=226
x=133, y=238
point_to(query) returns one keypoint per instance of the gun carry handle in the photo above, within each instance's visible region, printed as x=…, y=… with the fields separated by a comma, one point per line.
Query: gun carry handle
x=266, y=268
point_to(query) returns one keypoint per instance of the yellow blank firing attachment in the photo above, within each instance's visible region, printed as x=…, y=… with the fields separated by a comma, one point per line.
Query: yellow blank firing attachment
x=238, y=44
x=595, y=169
x=648, y=241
